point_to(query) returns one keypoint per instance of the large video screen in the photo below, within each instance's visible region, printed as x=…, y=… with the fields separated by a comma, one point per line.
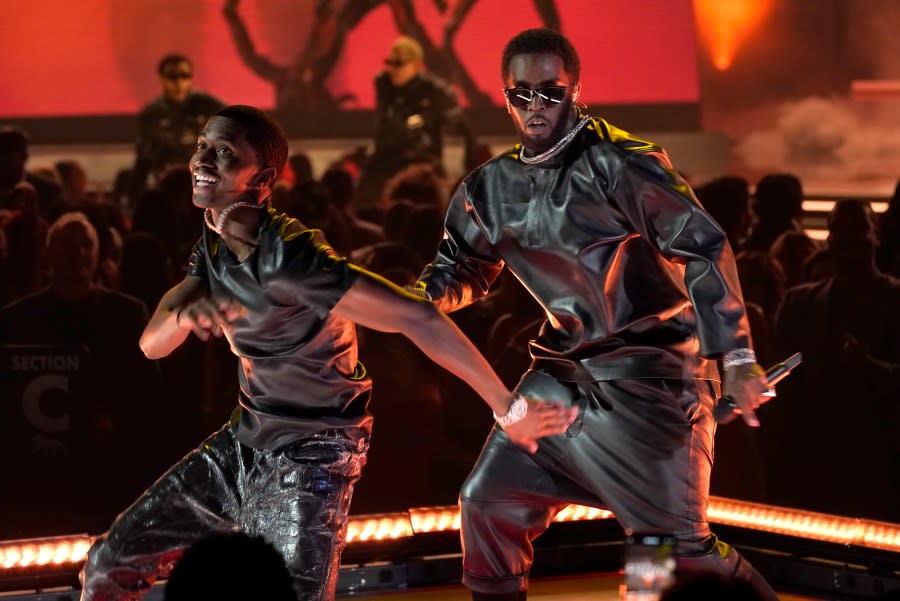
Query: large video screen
x=99, y=57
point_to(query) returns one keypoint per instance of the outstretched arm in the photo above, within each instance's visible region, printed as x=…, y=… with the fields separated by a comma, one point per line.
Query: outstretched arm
x=375, y=303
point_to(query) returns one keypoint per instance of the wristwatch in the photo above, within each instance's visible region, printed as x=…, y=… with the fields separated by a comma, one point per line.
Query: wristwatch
x=516, y=412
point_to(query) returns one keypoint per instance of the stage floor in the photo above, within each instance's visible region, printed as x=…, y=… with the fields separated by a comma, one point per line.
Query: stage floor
x=589, y=587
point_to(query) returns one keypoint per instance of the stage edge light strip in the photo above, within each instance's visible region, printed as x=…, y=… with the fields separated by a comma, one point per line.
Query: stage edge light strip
x=65, y=551
x=730, y=512
x=44, y=552
x=805, y=524
x=386, y=526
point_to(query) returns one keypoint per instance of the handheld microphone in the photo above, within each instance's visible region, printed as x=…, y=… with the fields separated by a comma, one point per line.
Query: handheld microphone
x=724, y=411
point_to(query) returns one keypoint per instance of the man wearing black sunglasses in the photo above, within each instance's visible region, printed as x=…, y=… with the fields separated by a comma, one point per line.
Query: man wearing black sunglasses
x=168, y=125
x=414, y=108
x=642, y=298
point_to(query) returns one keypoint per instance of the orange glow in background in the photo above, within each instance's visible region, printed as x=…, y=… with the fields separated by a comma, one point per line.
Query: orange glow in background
x=99, y=57
x=69, y=550
x=724, y=24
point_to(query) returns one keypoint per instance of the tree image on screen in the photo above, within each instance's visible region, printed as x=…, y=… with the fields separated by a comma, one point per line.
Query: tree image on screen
x=302, y=84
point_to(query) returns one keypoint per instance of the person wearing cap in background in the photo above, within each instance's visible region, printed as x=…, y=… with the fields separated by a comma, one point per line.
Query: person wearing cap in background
x=414, y=108
x=168, y=125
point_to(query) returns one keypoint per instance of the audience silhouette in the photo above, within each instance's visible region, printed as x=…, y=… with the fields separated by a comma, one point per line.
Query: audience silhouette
x=778, y=205
x=231, y=566
x=837, y=416
x=67, y=415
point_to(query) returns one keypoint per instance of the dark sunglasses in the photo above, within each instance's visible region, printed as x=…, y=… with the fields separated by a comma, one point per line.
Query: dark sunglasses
x=393, y=62
x=178, y=75
x=522, y=97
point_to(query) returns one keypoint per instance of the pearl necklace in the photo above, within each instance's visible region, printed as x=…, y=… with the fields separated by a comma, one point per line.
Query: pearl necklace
x=223, y=216
x=556, y=148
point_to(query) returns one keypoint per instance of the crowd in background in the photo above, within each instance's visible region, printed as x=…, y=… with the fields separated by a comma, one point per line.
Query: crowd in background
x=84, y=410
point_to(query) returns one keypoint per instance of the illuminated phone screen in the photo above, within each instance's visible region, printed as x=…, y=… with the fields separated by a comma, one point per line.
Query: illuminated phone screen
x=649, y=566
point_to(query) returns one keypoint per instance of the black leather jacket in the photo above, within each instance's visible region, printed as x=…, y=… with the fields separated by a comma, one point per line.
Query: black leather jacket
x=636, y=279
x=167, y=135
x=412, y=118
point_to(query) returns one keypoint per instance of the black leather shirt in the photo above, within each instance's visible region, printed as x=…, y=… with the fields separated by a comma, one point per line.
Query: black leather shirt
x=298, y=370
x=636, y=279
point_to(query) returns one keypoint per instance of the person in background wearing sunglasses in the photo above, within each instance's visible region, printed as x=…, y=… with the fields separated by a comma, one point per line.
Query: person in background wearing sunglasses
x=413, y=110
x=169, y=124
x=641, y=296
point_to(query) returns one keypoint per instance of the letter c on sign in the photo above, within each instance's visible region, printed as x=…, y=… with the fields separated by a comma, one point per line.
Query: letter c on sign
x=31, y=403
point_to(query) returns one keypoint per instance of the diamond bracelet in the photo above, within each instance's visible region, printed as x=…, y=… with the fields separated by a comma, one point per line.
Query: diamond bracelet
x=517, y=411
x=739, y=356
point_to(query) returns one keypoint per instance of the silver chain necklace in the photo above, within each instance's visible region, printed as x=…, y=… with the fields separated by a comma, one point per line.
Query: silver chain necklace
x=217, y=225
x=556, y=148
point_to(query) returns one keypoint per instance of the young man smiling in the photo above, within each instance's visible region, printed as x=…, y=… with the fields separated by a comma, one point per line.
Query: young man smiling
x=641, y=296
x=285, y=467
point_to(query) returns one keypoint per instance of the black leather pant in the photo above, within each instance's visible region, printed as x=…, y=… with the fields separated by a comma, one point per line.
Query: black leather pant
x=297, y=498
x=642, y=448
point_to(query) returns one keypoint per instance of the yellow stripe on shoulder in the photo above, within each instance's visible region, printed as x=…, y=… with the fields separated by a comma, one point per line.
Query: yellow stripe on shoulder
x=286, y=226
x=618, y=136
